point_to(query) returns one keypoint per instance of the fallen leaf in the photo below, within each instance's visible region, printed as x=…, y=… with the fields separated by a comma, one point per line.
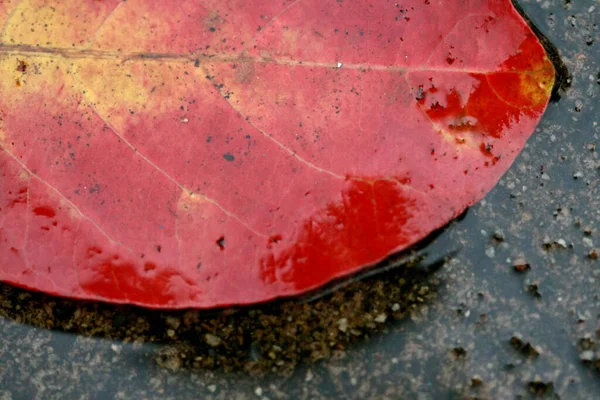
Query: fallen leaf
x=207, y=153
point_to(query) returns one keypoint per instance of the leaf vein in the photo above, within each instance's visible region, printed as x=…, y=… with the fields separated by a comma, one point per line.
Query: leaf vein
x=9, y=17
x=108, y=17
x=60, y=194
x=277, y=142
x=153, y=164
x=443, y=39
x=268, y=24
x=79, y=53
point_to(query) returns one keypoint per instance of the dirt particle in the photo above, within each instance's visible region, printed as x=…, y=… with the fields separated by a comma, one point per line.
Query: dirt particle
x=476, y=381
x=523, y=347
x=540, y=388
x=499, y=236
x=381, y=318
x=459, y=352
x=22, y=66
x=229, y=157
x=534, y=290
x=520, y=265
x=213, y=340
x=587, y=356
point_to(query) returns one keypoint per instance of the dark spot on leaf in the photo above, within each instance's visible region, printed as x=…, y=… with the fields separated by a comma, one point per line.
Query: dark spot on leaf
x=44, y=212
x=93, y=252
x=221, y=243
x=95, y=189
x=21, y=66
x=229, y=157
x=420, y=95
x=149, y=267
x=275, y=239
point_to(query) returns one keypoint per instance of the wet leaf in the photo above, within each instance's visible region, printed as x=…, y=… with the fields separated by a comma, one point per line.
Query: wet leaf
x=207, y=153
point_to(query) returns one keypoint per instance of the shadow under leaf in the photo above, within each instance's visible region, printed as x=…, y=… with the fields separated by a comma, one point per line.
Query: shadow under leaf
x=270, y=337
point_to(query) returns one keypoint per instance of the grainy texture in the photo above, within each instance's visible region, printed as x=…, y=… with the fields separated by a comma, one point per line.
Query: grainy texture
x=480, y=332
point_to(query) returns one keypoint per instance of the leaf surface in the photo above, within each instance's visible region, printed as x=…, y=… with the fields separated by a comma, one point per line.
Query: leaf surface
x=207, y=153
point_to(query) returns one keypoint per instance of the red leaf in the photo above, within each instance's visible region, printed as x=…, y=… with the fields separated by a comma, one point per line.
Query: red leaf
x=206, y=153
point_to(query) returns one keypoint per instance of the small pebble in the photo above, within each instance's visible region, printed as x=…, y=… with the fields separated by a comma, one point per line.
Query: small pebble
x=587, y=355
x=309, y=376
x=525, y=348
x=521, y=265
x=476, y=381
x=173, y=322
x=212, y=340
x=459, y=352
x=343, y=324
x=547, y=242
x=534, y=290
x=381, y=318
x=499, y=236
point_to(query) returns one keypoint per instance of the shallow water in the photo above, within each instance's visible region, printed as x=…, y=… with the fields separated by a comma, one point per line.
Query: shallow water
x=420, y=332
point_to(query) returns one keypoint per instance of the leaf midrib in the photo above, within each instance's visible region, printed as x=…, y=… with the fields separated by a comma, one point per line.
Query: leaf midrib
x=204, y=58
